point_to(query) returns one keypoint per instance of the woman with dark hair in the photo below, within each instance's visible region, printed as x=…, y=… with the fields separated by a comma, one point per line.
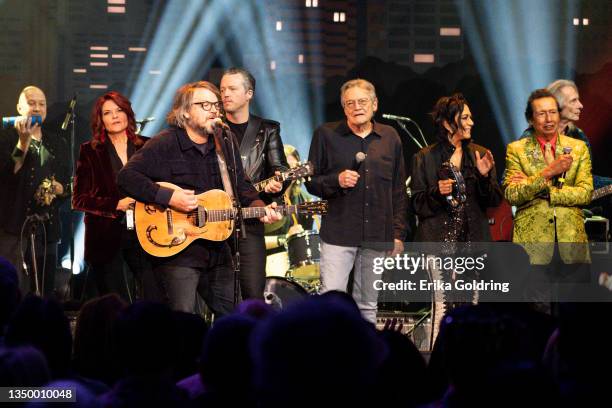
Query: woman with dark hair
x=453, y=183
x=453, y=180
x=108, y=243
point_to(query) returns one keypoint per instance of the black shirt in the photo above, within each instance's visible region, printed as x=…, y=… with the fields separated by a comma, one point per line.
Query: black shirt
x=239, y=129
x=171, y=156
x=116, y=162
x=43, y=160
x=128, y=237
x=373, y=211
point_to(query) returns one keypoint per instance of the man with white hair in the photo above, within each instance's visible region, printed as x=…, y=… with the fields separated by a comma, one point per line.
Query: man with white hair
x=35, y=175
x=359, y=168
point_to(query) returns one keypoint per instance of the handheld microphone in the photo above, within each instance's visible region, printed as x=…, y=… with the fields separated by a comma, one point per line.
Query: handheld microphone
x=359, y=158
x=70, y=112
x=9, y=121
x=219, y=123
x=395, y=117
x=561, y=179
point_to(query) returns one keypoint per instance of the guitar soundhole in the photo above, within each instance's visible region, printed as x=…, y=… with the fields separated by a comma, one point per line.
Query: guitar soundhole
x=175, y=241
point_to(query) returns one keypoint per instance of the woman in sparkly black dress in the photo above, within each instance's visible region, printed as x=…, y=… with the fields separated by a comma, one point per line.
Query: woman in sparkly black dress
x=453, y=183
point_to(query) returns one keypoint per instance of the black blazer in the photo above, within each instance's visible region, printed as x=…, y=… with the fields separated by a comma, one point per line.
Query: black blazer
x=430, y=205
x=19, y=188
x=96, y=193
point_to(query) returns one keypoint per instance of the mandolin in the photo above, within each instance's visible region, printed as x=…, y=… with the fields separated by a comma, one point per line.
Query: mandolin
x=165, y=232
x=46, y=192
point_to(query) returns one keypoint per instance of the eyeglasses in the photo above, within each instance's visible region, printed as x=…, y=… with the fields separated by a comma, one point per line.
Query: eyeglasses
x=363, y=102
x=207, y=106
x=542, y=114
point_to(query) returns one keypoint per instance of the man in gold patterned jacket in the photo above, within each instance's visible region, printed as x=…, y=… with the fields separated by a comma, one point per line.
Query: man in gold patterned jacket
x=547, y=186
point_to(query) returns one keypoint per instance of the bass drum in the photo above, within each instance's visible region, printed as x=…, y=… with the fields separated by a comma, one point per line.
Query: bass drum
x=277, y=264
x=280, y=292
x=304, y=254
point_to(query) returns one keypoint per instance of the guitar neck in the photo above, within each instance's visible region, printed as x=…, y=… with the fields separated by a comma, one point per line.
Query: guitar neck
x=601, y=192
x=262, y=184
x=258, y=212
x=248, y=212
x=301, y=171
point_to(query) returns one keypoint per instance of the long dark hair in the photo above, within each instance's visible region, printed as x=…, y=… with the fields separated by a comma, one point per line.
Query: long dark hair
x=98, y=131
x=446, y=110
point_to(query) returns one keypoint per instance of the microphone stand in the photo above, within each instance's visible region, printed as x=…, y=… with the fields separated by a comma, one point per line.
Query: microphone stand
x=240, y=229
x=33, y=227
x=34, y=221
x=414, y=139
x=72, y=124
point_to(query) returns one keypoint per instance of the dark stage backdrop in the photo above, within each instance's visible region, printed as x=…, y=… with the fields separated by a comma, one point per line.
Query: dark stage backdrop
x=43, y=42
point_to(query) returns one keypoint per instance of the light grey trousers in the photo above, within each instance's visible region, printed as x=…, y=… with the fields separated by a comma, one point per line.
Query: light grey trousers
x=337, y=262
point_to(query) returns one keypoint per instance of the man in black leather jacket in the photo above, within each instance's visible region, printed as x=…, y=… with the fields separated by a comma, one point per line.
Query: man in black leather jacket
x=263, y=156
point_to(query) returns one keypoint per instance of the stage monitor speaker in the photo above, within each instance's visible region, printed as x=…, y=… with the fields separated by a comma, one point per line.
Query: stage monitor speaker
x=416, y=326
x=598, y=229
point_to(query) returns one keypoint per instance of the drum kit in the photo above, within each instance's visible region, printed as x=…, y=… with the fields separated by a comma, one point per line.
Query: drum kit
x=294, y=273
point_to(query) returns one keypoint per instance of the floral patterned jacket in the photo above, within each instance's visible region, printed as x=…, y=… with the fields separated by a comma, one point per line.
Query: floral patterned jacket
x=543, y=209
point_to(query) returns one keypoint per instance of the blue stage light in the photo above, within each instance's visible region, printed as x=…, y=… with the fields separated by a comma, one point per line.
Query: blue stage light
x=518, y=46
x=191, y=35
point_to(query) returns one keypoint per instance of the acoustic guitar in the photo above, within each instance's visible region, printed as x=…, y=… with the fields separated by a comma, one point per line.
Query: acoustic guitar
x=164, y=232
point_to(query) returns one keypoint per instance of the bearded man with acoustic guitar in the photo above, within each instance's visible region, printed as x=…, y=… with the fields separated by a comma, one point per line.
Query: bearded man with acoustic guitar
x=196, y=154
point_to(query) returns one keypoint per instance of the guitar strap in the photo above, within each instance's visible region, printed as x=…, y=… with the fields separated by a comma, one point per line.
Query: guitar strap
x=227, y=184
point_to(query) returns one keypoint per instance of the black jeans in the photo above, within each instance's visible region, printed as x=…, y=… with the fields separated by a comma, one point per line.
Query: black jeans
x=213, y=281
x=112, y=277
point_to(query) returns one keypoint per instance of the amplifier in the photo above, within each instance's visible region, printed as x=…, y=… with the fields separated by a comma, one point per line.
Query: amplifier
x=417, y=326
x=597, y=229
